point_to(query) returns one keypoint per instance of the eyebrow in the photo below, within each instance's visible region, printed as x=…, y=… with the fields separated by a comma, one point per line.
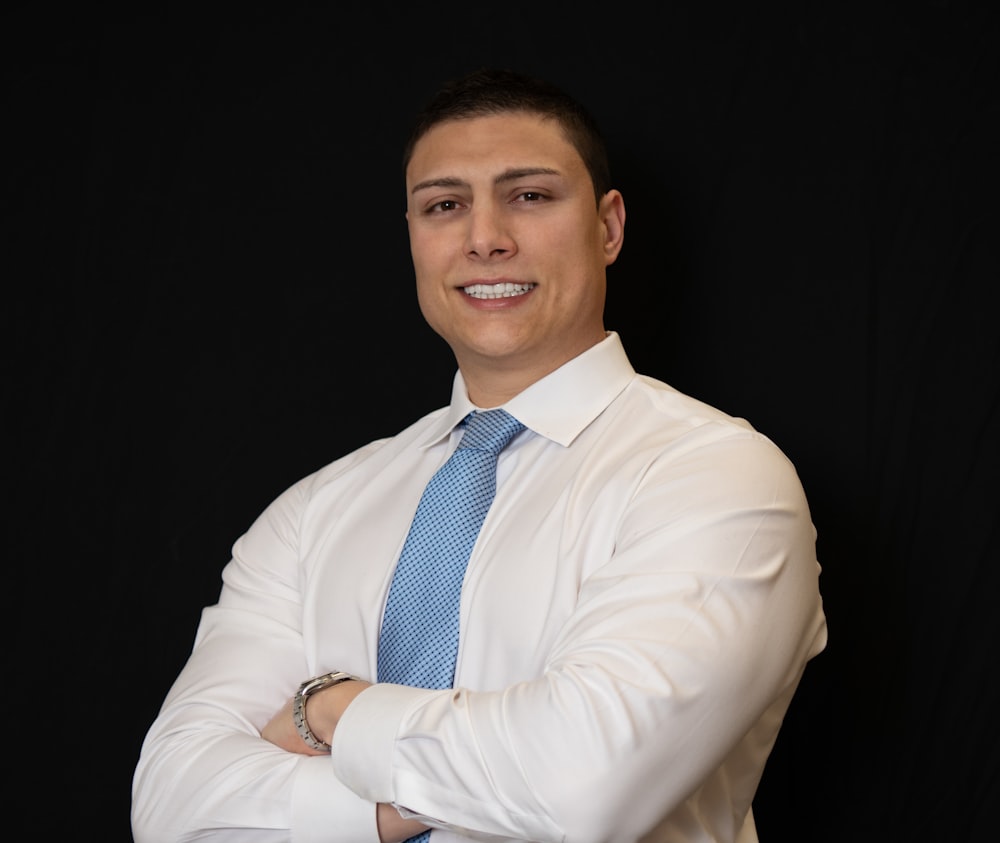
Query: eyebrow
x=505, y=176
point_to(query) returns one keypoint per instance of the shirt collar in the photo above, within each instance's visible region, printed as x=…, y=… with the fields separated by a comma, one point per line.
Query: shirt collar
x=560, y=405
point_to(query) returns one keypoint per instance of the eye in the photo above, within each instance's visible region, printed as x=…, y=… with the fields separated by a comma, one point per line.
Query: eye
x=531, y=196
x=443, y=206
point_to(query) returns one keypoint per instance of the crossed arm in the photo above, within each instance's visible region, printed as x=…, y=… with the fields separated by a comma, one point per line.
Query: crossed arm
x=323, y=711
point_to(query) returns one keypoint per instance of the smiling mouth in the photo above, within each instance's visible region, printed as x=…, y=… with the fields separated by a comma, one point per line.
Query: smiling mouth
x=504, y=290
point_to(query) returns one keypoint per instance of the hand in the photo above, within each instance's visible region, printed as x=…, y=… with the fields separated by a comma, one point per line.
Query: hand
x=392, y=828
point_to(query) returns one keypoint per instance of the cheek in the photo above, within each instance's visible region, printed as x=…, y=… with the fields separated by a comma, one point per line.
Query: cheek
x=431, y=306
x=428, y=291
x=429, y=253
x=429, y=288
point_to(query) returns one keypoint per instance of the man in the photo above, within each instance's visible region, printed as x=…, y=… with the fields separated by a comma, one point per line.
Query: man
x=636, y=611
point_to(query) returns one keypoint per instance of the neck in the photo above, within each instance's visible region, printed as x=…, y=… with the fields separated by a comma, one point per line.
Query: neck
x=493, y=391
x=491, y=382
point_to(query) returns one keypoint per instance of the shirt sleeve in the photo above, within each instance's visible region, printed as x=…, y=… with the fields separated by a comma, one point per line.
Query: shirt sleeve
x=204, y=772
x=670, y=677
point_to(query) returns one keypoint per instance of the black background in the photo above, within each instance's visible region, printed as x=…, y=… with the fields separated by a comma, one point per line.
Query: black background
x=212, y=297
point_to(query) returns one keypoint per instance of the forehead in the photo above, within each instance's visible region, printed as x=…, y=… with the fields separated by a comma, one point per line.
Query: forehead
x=494, y=142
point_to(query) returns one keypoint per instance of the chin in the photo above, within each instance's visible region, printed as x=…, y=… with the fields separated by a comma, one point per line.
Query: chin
x=495, y=345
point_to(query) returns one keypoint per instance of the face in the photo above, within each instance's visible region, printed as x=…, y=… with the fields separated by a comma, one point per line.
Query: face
x=509, y=246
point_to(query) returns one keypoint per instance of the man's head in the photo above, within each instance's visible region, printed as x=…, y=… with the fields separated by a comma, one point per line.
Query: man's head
x=492, y=91
x=509, y=247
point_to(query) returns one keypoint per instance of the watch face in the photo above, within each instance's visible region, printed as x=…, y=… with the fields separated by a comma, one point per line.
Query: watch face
x=325, y=681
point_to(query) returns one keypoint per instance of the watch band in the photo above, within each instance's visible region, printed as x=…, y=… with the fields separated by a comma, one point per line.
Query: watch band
x=306, y=689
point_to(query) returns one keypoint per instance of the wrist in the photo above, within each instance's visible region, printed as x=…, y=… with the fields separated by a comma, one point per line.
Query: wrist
x=318, y=732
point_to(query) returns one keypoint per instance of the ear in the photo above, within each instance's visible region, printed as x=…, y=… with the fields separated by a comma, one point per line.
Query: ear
x=611, y=211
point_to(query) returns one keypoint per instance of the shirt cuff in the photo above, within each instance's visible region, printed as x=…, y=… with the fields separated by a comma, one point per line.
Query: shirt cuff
x=365, y=738
x=322, y=805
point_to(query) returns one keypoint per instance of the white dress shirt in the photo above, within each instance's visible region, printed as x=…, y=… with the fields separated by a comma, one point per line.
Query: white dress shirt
x=636, y=615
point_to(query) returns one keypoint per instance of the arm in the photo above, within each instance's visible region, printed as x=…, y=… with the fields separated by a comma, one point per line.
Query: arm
x=326, y=706
x=204, y=770
x=662, y=693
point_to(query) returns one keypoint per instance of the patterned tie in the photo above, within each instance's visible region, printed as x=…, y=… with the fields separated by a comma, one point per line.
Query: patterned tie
x=419, y=636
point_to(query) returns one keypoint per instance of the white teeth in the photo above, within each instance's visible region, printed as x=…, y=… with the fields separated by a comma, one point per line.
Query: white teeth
x=497, y=291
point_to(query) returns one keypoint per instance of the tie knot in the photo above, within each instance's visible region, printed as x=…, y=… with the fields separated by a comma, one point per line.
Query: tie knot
x=490, y=431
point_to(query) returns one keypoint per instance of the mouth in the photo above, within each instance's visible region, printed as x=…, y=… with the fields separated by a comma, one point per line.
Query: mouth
x=503, y=290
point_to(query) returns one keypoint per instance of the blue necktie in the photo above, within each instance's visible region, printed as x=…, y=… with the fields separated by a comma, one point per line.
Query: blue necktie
x=419, y=638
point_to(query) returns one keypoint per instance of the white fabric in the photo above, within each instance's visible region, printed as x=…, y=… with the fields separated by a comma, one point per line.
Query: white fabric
x=636, y=615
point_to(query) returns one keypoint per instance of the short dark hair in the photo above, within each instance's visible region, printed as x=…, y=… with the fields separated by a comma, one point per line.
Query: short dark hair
x=491, y=91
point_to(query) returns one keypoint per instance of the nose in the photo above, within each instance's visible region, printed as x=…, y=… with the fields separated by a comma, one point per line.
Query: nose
x=488, y=236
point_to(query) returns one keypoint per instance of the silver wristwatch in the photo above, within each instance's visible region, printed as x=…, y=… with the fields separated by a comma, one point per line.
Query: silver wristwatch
x=307, y=688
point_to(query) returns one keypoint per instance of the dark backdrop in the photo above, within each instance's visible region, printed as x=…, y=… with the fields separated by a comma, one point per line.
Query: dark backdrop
x=212, y=296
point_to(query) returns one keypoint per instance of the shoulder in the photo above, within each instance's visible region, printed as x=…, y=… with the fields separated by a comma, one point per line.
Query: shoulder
x=684, y=436
x=371, y=456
